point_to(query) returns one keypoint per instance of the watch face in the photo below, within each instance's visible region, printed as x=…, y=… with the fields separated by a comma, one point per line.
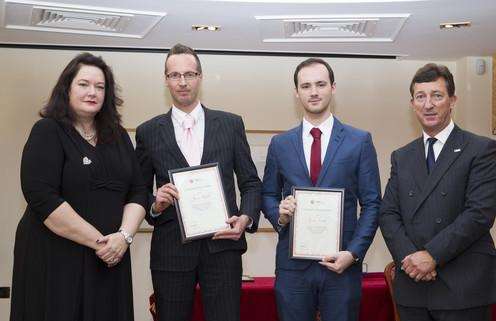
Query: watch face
x=127, y=237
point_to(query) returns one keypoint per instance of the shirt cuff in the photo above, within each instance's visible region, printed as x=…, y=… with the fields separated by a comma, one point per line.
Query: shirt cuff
x=153, y=214
x=250, y=222
x=279, y=222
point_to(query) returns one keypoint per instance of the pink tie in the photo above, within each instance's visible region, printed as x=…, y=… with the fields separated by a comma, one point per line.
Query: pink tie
x=190, y=145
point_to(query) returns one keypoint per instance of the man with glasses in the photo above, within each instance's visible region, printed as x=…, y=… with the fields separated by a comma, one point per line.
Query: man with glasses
x=321, y=152
x=438, y=209
x=190, y=134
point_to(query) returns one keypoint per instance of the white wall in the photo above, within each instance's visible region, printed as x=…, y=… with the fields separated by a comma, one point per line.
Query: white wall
x=371, y=94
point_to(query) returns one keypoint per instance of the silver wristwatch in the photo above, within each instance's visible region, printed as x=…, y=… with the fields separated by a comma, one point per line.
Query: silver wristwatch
x=127, y=237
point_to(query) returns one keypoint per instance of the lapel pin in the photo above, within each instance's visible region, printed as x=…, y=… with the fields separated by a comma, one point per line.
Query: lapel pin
x=86, y=160
x=457, y=150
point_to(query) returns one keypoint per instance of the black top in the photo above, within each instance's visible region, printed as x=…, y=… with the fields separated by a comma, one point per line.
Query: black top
x=55, y=278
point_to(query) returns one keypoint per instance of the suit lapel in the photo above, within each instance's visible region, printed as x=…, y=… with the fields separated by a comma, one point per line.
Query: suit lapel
x=211, y=129
x=168, y=136
x=335, y=141
x=453, y=148
x=297, y=139
x=419, y=166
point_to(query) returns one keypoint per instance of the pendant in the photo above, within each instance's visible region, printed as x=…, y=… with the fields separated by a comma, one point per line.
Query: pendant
x=86, y=160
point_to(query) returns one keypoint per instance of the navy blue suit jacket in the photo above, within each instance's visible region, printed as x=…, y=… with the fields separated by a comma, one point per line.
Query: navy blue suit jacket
x=350, y=163
x=448, y=213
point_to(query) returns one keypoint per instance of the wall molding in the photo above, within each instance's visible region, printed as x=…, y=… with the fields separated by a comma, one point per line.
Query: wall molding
x=259, y=230
x=248, y=131
x=494, y=94
x=198, y=51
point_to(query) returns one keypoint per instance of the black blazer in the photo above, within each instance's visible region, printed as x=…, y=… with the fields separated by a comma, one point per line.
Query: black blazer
x=449, y=213
x=224, y=142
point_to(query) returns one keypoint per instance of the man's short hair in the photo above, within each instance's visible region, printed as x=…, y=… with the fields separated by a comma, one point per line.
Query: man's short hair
x=432, y=72
x=179, y=49
x=309, y=62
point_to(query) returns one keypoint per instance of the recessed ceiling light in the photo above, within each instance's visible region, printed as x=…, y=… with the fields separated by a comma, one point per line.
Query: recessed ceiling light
x=205, y=28
x=453, y=25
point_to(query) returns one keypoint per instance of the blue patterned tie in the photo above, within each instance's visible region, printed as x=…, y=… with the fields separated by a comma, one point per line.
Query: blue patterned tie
x=431, y=160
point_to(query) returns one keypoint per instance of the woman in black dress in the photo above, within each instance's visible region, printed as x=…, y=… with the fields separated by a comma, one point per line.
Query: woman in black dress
x=85, y=200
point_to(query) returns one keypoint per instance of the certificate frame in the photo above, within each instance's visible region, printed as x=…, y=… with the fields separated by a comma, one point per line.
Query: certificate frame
x=259, y=141
x=297, y=228
x=184, y=215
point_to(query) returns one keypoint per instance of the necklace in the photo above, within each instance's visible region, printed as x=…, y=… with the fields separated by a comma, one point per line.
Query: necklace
x=88, y=136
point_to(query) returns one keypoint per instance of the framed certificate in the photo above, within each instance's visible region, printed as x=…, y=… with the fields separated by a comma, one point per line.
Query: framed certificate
x=315, y=228
x=201, y=207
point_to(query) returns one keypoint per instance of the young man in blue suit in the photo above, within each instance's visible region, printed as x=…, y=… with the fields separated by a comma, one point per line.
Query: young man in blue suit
x=321, y=152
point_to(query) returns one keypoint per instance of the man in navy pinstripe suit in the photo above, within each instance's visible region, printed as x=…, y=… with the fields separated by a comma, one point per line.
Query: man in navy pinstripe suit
x=438, y=209
x=164, y=143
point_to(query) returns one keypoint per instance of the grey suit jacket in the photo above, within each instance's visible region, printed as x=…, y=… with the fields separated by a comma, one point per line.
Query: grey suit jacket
x=449, y=213
x=224, y=142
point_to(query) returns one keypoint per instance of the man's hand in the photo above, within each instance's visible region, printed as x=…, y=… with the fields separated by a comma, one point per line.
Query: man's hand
x=419, y=266
x=238, y=226
x=286, y=209
x=338, y=262
x=430, y=276
x=113, y=250
x=165, y=197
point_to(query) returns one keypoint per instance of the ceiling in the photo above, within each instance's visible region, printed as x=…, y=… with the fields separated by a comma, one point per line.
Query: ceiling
x=406, y=29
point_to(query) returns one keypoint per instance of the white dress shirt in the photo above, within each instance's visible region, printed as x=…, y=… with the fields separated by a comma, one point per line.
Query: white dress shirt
x=441, y=137
x=198, y=129
x=326, y=129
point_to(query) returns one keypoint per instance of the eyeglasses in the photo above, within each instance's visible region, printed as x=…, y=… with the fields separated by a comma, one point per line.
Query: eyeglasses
x=188, y=76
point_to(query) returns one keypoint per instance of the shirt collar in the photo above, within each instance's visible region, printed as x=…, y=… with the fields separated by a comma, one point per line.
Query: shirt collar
x=443, y=135
x=325, y=127
x=197, y=113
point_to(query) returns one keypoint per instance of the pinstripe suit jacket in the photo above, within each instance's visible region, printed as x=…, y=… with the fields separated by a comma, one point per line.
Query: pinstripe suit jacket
x=449, y=213
x=224, y=142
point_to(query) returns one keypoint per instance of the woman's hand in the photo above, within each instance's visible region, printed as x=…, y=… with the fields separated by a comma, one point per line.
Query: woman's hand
x=113, y=250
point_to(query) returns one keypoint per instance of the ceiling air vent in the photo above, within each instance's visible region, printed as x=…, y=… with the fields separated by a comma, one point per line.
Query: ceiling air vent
x=51, y=17
x=331, y=28
x=78, y=19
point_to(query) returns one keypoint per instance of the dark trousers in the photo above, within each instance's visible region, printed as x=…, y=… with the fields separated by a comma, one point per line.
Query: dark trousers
x=300, y=293
x=482, y=313
x=219, y=276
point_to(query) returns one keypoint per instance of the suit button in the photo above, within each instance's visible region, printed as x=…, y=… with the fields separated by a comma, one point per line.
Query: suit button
x=443, y=193
x=410, y=193
x=438, y=220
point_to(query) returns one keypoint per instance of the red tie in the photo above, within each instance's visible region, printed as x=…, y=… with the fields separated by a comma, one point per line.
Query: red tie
x=315, y=164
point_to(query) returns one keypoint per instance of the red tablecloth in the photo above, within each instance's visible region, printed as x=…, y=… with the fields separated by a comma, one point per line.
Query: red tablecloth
x=258, y=301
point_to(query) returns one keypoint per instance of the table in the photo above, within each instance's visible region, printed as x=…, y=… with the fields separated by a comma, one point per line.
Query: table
x=258, y=300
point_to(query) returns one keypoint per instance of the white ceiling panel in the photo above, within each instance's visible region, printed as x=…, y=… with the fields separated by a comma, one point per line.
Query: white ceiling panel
x=90, y=20
x=409, y=29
